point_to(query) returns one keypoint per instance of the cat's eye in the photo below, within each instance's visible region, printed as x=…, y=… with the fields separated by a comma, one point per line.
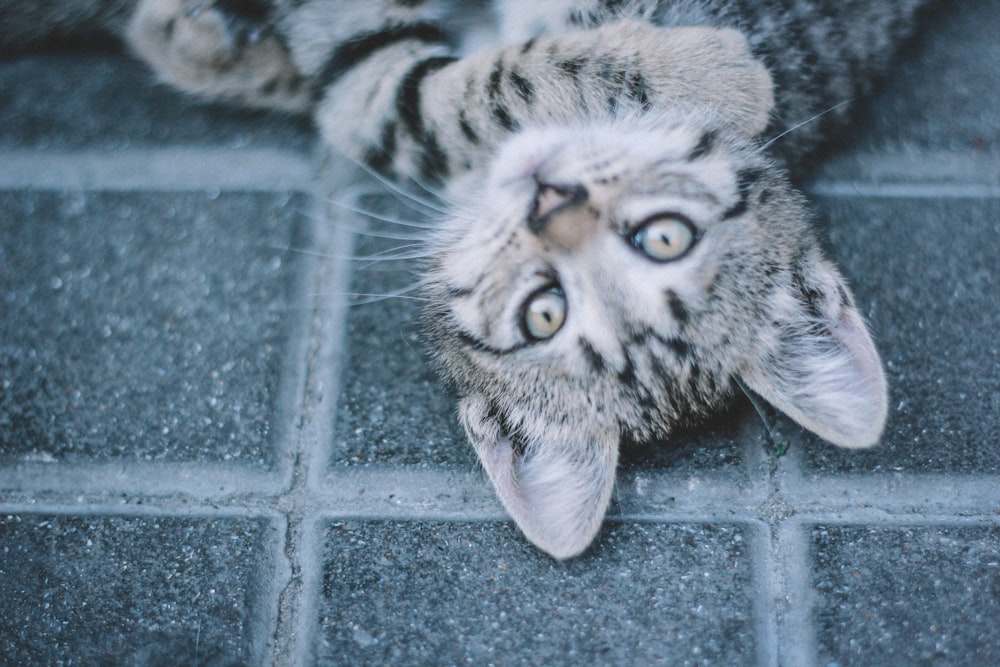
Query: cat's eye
x=544, y=313
x=664, y=238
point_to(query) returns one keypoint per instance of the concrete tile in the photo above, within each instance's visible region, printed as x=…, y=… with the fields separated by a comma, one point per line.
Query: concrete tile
x=943, y=92
x=392, y=407
x=108, y=101
x=477, y=593
x=716, y=444
x=907, y=596
x=145, y=326
x=127, y=590
x=925, y=275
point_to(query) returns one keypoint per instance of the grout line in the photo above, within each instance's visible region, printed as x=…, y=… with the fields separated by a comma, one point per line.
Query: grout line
x=903, y=190
x=302, y=632
x=178, y=509
x=328, y=335
x=294, y=374
x=270, y=169
x=416, y=493
x=880, y=519
x=158, y=170
x=769, y=582
x=316, y=396
x=768, y=591
x=275, y=571
x=862, y=495
x=211, y=482
x=381, y=493
x=796, y=638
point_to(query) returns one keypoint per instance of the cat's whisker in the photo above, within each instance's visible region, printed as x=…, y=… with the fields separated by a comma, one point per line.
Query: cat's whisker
x=362, y=299
x=383, y=256
x=392, y=236
x=797, y=126
x=380, y=263
x=406, y=197
x=295, y=309
x=302, y=251
x=768, y=428
x=410, y=178
x=362, y=230
x=378, y=233
x=367, y=298
x=380, y=216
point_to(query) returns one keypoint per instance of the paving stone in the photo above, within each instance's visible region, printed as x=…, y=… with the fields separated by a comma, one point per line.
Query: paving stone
x=907, y=596
x=476, y=593
x=104, y=100
x=146, y=326
x=392, y=407
x=926, y=275
x=128, y=590
x=718, y=443
x=943, y=92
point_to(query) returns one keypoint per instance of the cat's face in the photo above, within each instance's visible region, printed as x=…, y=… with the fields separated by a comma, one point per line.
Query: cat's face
x=611, y=280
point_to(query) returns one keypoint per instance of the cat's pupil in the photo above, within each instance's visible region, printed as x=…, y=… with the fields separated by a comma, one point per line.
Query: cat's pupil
x=665, y=238
x=544, y=313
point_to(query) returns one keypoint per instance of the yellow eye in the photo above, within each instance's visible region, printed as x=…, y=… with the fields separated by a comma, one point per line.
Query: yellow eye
x=664, y=239
x=544, y=313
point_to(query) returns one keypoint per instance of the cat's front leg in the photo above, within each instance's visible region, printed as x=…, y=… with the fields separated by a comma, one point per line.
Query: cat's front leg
x=411, y=109
x=220, y=49
x=618, y=69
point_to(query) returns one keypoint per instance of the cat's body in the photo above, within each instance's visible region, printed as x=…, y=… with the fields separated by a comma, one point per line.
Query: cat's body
x=622, y=249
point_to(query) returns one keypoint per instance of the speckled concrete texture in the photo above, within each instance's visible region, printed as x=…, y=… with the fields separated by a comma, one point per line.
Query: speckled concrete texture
x=220, y=445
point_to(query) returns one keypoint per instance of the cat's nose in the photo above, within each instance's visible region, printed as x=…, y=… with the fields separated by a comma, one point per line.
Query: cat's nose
x=551, y=199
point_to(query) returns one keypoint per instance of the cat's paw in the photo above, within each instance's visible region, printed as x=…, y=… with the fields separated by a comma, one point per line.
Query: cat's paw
x=222, y=49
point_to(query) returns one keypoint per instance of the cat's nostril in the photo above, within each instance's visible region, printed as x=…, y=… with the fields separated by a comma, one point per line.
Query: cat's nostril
x=550, y=199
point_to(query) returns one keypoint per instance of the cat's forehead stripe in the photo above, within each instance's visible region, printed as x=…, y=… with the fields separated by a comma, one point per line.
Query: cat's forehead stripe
x=704, y=146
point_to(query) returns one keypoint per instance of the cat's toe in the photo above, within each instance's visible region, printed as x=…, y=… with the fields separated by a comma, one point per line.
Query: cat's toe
x=238, y=22
x=222, y=49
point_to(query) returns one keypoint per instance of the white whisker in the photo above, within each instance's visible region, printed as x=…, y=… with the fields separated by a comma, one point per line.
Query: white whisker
x=802, y=124
x=368, y=299
x=429, y=189
x=383, y=256
x=778, y=450
x=365, y=298
x=387, y=235
x=406, y=197
x=379, y=216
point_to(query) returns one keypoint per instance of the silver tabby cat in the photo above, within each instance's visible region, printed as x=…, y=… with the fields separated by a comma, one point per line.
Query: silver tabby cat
x=624, y=250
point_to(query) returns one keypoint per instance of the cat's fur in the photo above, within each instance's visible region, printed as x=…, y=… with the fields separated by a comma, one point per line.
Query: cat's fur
x=592, y=126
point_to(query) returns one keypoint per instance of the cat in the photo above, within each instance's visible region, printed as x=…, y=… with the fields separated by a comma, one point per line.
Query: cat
x=625, y=248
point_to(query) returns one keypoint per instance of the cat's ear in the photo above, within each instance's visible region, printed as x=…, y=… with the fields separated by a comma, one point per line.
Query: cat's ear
x=824, y=372
x=556, y=491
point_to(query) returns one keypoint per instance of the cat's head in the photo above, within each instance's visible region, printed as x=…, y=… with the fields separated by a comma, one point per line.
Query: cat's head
x=606, y=281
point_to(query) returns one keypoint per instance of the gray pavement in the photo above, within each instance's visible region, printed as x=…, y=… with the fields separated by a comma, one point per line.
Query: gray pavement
x=207, y=457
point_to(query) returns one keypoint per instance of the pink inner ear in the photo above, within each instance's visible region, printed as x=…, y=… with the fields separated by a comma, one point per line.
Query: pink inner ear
x=557, y=494
x=852, y=335
x=829, y=380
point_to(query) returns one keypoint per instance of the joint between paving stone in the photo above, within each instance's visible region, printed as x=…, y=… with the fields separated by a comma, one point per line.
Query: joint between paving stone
x=158, y=170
